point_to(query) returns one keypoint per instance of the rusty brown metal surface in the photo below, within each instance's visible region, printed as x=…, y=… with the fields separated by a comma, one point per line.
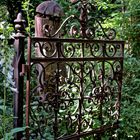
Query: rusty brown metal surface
x=19, y=79
x=49, y=8
x=84, y=102
x=92, y=86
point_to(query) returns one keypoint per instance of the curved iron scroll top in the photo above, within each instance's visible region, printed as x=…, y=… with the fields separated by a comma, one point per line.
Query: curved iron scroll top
x=73, y=27
x=83, y=24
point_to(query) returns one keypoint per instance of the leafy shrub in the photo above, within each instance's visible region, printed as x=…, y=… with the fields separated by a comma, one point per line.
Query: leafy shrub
x=130, y=111
x=6, y=73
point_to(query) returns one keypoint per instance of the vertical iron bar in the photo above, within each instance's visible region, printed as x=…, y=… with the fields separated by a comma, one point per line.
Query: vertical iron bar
x=102, y=90
x=81, y=100
x=102, y=82
x=56, y=109
x=83, y=22
x=19, y=80
x=28, y=89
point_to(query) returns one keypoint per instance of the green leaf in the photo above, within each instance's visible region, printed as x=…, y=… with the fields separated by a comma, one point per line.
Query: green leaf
x=9, y=135
x=18, y=129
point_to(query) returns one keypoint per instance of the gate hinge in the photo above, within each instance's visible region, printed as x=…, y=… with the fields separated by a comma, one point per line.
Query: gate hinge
x=24, y=69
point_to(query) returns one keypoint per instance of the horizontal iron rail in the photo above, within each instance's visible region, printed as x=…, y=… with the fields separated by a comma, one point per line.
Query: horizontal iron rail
x=95, y=131
x=74, y=59
x=73, y=99
x=73, y=40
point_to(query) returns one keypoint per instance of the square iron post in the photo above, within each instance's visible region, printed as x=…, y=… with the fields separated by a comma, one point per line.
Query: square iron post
x=19, y=79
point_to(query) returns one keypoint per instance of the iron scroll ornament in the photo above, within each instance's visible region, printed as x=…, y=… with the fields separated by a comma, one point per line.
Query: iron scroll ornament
x=87, y=99
x=85, y=102
x=84, y=26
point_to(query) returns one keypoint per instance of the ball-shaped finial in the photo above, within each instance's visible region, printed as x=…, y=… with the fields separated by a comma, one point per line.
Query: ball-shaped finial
x=19, y=25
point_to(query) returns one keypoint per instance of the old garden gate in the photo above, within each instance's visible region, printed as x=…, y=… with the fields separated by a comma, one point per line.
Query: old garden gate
x=73, y=75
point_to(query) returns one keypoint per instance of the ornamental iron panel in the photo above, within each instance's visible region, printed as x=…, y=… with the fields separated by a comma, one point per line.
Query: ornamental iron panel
x=74, y=76
x=85, y=101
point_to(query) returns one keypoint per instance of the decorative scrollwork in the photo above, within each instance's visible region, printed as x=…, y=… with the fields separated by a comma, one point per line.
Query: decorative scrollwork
x=95, y=49
x=79, y=78
x=84, y=26
x=45, y=49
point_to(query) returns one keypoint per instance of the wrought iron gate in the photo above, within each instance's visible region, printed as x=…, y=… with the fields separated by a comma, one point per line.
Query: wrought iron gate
x=80, y=97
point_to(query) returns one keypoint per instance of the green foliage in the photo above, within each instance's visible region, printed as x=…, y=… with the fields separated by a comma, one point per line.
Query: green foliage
x=9, y=136
x=132, y=25
x=28, y=8
x=130, y=111
x=6, y=72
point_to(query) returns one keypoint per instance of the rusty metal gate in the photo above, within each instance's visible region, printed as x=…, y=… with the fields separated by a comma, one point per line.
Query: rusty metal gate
x=73, y=85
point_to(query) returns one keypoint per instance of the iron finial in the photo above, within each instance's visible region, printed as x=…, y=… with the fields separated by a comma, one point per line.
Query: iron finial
x=19, y=25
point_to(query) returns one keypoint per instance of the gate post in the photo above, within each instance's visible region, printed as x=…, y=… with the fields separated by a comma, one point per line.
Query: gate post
x=47, y=22
x=18, y=78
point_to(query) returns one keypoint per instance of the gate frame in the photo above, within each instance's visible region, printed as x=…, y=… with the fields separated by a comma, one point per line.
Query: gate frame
x=103, y=128
x=20, y=68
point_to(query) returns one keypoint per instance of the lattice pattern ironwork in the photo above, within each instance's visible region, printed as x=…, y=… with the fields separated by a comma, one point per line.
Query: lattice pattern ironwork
x=83, y=97
x=80, y=98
